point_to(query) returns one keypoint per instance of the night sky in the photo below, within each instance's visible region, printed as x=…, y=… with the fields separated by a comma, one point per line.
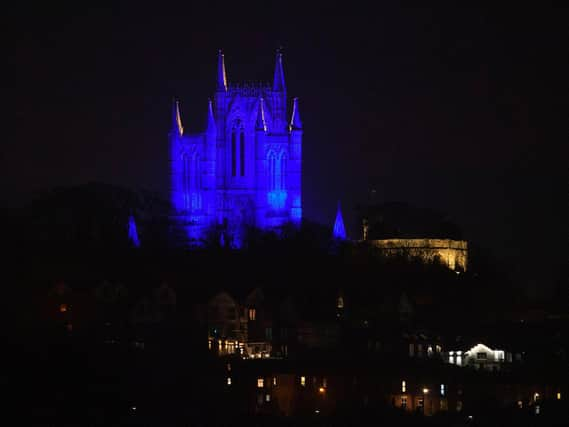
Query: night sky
x=459, y=110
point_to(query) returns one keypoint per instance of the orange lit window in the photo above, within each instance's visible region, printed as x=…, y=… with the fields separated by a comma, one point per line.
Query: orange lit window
x=62, y=308
x=252, y=314
x=303, y=381
x=260, y=382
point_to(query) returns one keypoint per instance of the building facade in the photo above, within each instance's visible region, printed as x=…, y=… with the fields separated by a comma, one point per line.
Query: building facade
x=452, y=253
x=245, y=168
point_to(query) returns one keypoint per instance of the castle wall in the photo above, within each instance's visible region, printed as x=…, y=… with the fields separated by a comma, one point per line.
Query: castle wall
x=453, y=253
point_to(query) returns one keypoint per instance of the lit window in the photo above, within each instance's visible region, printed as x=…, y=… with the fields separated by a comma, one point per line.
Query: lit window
x=321, y=390
x=430, y=351
x=303, y=381
x=537, y=409
x=558, y=396
x=267, y=397
x=425, y=391
x=535, y=397
x=228, y=380
x=274, y=381
x=229, y=366
x=260, y=382
x=520, y=404
x=340, y=302
x=403, y=387
x=442, y=390
x=63, y=308
x=404, y=402
x=252, y=314
x=209, y=344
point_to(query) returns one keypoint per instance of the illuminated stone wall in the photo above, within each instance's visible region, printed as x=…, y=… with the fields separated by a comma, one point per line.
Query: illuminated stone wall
x=453, y=253
x=245, y=169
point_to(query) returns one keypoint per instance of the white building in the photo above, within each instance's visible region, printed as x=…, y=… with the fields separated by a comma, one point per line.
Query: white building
x=479, y=357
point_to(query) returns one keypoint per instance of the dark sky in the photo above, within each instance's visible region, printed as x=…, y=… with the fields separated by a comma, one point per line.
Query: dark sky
x=461, y=110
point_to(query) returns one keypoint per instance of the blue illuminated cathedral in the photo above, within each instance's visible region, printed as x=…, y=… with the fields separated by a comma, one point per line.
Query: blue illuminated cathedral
x=245, y=169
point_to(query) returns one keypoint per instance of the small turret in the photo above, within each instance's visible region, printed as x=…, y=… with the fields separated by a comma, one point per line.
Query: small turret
x=279, y=81
x=133, y=233
x=339, y=230
x=211, y=127
x=221, y=76
x=260, y=124
x=177, y=129
x=295, y=122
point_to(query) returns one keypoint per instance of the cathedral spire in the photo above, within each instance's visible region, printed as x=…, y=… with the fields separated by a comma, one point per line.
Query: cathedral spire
x=279, y=81
x=210, y=118
x=295, y=122
x=177, y=128
x=260, y=124
x=221, y=76
x=132, y=233
x=339, y=230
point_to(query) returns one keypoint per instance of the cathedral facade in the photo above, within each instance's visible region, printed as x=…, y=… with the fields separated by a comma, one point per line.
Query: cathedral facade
x=245, y=168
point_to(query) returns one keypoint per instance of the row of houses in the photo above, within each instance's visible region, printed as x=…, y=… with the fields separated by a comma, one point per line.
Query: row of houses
x=260, y=325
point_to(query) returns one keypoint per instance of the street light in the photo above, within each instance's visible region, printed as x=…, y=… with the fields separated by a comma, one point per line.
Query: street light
x=425, y=392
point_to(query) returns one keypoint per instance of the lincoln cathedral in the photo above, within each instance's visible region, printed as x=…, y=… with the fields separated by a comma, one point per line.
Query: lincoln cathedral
x=245, y=168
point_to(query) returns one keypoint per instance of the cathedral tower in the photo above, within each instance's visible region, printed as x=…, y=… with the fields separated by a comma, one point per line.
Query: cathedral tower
x=245, y=169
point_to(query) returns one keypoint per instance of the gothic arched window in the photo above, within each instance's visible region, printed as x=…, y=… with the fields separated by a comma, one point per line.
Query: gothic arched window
x=272, y=158
x=242, y=152
x=277, y=179
x=282, y=172
x=191, y=181
x=233, y=153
